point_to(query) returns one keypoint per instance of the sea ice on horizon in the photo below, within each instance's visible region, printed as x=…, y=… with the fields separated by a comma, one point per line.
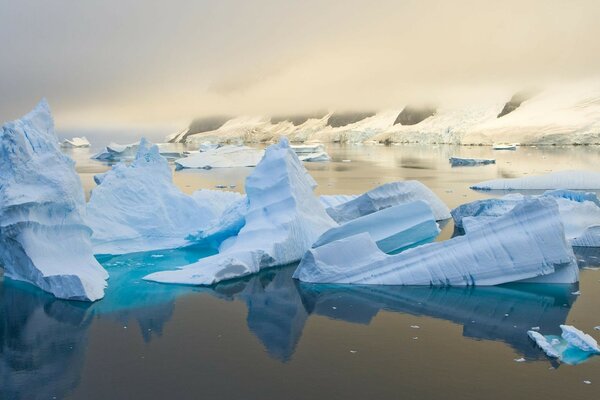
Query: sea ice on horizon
x=526, y=244
x=43, y=237
x=574, y=180
x=283, y=219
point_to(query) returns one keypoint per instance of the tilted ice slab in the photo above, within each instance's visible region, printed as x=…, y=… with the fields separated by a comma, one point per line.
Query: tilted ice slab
x=137, y=207
x=572, y=347
x=574, y=180
x=579, y=211
x=76, y=142
x=391, y=229
x=462, y=162
x=222, y=157
x=526, y=244
x=387, y=195
x=282, y=221
x=43, y=237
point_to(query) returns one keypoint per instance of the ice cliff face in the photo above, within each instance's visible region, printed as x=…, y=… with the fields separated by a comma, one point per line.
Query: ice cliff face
x=137, y=207
x=43, y=237
x=282, y=220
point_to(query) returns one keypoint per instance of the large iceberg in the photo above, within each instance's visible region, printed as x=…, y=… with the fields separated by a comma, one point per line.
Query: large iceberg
x=574, y=180
x=43, y=237
x=137, y=207
x=283, y=219
x=222, y=157
x=391, y=229
x=526, y=244
x=579, y=212
x=387, y=195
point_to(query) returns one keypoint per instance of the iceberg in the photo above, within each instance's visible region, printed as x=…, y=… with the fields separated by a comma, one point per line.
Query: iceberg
x=117, y=152
x=391, y=229
x=314, y=157
x=470, y=162
x=574, y=180
x=137, y=207
x=43, y=237
x=283, y=219
x=526, y=244
x=308, y=148
x=76, y=142
x=222, y=157
x=387, y=195
x=572, y=347
x=332, y=200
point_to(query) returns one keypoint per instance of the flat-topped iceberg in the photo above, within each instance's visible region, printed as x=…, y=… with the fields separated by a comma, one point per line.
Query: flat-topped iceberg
x=282, y=220
x=391, y=229
x=75, y=142
x=526, y=244
x=574, y=180
x=470, y=162
x=43, y=237
x=387, y=195
x=579, y=212
x=571, y=347
x=137, y=207
x=222, y=157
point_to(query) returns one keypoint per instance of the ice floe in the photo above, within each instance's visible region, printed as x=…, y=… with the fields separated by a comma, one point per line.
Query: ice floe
x=526, y=244
x=574, y=180
x=43, y=237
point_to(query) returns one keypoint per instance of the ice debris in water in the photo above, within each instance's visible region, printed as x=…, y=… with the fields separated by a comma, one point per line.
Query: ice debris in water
x=470, y=162
x=43, y=237
x=526, y=244
x=572, y=347
x=222, y=157
x=282, y=220
x=574, y=180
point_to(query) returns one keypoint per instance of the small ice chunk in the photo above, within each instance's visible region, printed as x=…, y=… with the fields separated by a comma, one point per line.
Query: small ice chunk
x=519, y=360
x=542, y=342
x=578, y=339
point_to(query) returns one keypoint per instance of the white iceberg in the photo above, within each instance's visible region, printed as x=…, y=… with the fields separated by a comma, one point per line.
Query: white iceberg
x=283, y=219
x=574, y=180
x=314, y=157
x=222, y=157
x=391, y=229
x=117, y=152
x=308, y=148
x=332, y=200
x=544, y=344
x=137, y=207
x=469, y=162
x=76, y=142
x=43, y=237
x=526, y=244
x=579, y=211
x=578, y=339
x=387, y=195
x=571, y=347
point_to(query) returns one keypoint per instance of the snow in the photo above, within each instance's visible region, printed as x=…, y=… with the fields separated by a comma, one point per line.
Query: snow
x=76, y=142
x=391, y=229
x=283, y=219
x=43, y=237
x=579, y=211
x=526, y=244
x=388, y=195
x=137, y=207
x=461, y=162
x=574, y=180
x=222, y=157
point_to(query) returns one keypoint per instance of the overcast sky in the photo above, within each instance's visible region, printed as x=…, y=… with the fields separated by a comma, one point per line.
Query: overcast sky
x=107, y=63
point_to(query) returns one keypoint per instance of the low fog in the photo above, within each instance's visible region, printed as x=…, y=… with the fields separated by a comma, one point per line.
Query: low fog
x=152, y=64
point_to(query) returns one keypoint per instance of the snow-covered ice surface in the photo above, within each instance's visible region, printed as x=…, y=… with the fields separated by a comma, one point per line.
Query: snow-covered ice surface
x=43, y=237
x=574, y=180
x=387, y=195
x=572, y=347
x=393, y=228
x=579, y=211
x=283, y=219
x=76, y=142
x=470, y=162
x=526, y=244
x=222, y=157
x=137, y=207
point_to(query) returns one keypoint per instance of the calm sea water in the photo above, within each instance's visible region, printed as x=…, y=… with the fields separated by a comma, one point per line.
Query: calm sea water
x=271, y=337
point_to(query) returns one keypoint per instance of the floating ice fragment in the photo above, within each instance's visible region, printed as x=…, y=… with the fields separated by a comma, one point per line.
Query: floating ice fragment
x=470, y=162
x=574, y=180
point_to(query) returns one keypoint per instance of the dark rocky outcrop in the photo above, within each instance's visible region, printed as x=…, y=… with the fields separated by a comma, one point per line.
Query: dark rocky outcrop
x=412, y=115
x=516, y=100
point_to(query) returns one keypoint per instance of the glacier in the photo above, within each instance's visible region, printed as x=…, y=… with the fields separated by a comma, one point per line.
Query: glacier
x=470, y=162
x=388, y=195
x=579, y=212
x=572, y=347
x=137, y=207
x=44, y=239
x=75, y=142
x=573, y=180
x=526, y=244
x=283, y=219
x=391, y=229
x=222, y=157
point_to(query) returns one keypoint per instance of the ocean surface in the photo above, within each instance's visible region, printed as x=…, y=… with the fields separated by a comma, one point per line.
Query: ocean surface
x=270, y=337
